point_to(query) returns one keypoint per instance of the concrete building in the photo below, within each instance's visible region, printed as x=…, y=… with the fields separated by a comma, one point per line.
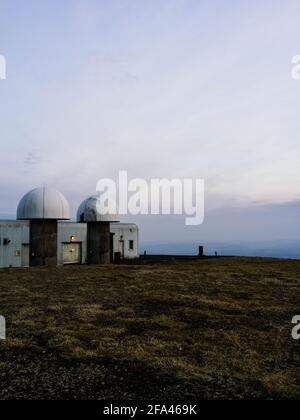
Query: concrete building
x=43, y=236
x=125, y=240
x=14, y=244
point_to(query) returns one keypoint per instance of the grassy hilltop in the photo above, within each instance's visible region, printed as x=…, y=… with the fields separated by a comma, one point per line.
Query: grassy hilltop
x=189, y=329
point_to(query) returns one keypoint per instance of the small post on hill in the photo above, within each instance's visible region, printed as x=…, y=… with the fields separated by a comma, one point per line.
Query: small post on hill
x=201, y=252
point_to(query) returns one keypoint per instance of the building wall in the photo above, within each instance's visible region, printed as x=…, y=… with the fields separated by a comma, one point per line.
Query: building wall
x=126, y=232
x=129, y=231
x=16, y=235
x=68, y=230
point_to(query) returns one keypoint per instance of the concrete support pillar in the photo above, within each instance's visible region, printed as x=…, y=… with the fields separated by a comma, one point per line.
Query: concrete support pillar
x=99, y=243
x=43, y=242
x=112, y=257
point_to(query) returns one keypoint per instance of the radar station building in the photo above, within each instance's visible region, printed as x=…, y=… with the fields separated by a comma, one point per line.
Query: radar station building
x=42, y=235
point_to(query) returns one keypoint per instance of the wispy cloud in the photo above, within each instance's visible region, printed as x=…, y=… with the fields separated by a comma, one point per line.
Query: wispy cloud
x=32, y=159
x=174, y=88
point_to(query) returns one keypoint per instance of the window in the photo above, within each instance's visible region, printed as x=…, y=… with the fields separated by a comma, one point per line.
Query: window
x=131, y=245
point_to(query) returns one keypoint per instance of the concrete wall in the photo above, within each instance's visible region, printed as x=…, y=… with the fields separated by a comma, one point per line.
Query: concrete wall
x=18, y=233
x=66, y=230
x=15, y=234
x=126, y=232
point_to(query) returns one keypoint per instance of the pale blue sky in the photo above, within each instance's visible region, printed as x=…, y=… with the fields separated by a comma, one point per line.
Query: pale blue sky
x=172, y=88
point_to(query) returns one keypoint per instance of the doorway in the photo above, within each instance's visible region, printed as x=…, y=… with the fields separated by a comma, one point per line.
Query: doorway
x=121, y=248
x=72, y=253
x=25, y=255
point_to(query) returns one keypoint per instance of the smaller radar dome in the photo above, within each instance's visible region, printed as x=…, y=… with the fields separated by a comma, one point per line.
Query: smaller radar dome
x=93, y=210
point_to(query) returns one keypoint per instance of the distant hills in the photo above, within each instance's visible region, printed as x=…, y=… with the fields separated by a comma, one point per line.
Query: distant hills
x=274, y=249
x=7, y=216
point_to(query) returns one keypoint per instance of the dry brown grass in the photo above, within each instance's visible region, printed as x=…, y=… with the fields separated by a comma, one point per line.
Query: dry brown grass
x=200, y=329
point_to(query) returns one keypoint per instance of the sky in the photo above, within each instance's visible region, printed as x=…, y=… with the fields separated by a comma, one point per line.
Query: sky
x=168, y=88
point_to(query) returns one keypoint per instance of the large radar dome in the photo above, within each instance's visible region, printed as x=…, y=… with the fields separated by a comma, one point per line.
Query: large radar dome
x=43, y=203
x=92, y=210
